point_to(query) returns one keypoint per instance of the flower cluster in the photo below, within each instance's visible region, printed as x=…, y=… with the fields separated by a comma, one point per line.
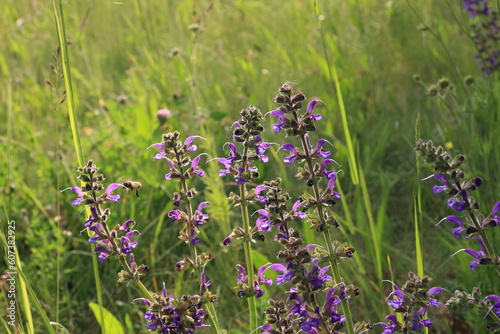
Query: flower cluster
x=485, y=33
x=109, y=242
x=452, y=181
x=182, y=168
x=304, y=269
x=247, y=133
x=169, y=315
x=315, y=158
x=413, y=301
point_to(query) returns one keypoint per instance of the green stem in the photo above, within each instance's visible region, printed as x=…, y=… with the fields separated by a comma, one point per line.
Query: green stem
x=252, y=304
x=208, y=307
x=328, y=239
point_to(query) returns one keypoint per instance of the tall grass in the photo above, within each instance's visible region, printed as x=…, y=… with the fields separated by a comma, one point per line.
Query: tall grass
x=241, y=51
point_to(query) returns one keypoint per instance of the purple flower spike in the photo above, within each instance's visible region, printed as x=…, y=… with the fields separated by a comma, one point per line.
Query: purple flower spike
x=293, y=156
x=281, y=116
x=310, y=108
x=109, y=190
x=454, y=219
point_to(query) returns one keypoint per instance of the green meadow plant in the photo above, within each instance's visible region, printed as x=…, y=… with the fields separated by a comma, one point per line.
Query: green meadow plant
x=317, y=298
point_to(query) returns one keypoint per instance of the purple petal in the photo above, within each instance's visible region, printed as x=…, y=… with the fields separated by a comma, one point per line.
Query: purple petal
x=495, y=210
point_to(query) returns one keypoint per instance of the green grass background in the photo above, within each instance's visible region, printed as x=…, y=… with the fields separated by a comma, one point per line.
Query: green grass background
x=206, y=60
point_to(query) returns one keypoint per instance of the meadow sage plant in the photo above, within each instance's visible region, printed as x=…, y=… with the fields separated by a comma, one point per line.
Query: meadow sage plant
x=485, y=34
x=304, y=267
x=246, y=148
x=183, y=167
x=469, y=223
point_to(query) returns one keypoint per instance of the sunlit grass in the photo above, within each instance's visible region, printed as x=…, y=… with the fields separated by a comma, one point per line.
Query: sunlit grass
x=152, y=54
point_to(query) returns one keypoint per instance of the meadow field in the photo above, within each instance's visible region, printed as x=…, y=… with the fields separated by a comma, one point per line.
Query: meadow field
x=387, y=72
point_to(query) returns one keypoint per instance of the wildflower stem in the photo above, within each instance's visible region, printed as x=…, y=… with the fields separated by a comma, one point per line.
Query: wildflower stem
x=252, y=305
x=144, y=291
x=208, y=307
x=327, y=236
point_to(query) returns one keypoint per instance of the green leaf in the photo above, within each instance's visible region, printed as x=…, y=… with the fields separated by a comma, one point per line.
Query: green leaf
x=113, y=326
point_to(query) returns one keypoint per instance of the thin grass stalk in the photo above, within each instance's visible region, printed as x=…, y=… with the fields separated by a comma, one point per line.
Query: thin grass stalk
x=375, y=238
x=252, y=303
x=63, y=49
x=332, y=71
x=417, y=210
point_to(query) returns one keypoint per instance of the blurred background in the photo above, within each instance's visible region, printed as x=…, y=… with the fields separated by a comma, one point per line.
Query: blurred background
x=204, y=61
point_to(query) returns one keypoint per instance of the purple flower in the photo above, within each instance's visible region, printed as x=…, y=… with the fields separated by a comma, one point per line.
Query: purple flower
x=398, y=298
x=494, y=213
x=126, y=244
x=331, y=185
x=392, y=326
x=459, y=201
x=440, y=177
x=126, y=225
x=258, y=190
x=477, y=255
x=109, y=190
x=92, y=219
x=261, y=278
x=454, y=219
x=176, y=215
x=227, y=240
x=228, y=162
x=168, y=176
x=263, y=223
x=194, y=166
x=318, y=275
x=287, y=272
x=79, y=192
x=260, y=148
x=496, y=304
x=161, y=154
x=281, y=116
x=318, y=150
x=243, y=274
x=293, y=156
x=104, y=253
x=188, y=142
x=310, y=107
x=329, y=174
x=200, y=217
x=295, y=210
